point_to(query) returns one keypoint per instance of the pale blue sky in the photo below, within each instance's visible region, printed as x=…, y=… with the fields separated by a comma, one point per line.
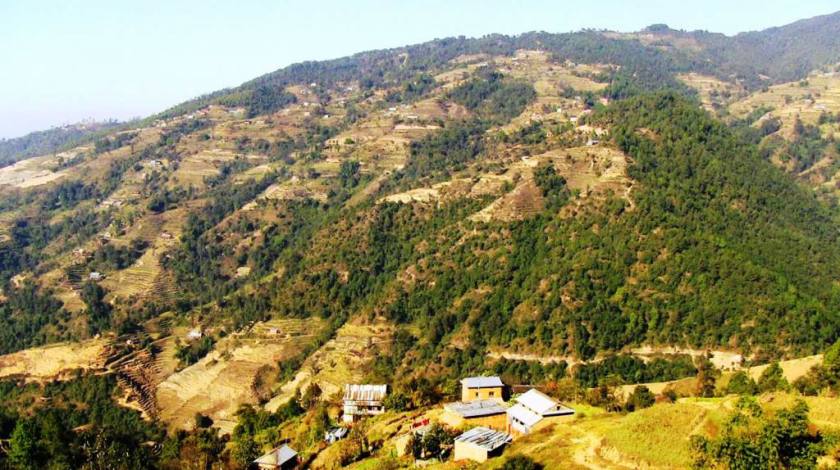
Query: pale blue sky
x=66, y=60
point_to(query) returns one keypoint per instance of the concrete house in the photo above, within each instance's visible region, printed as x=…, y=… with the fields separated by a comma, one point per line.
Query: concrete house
x=491, y=413
x=281, y=458
x=363, y=400
x=479, y=444
x=532, y=409
x=482, y=388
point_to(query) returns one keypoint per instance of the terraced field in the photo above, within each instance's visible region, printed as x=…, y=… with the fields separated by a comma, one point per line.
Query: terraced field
x=338, y=362
x=224, y=379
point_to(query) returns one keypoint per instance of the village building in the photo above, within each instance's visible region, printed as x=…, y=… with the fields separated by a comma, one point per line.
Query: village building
x=491, y=413
x=479, y=444
x=482, y=388
x=96, y=276
x=361, y=401
x=281, y=458
x=532, y=409
x=195, y=333
x=335, y=434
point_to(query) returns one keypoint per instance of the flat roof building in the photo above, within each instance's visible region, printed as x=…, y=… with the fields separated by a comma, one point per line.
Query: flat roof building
x=490, y=412
x=479, y=444
x=481, y=388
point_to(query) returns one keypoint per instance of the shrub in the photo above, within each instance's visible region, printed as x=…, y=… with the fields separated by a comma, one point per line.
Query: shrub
x=521, y=462
x=772, y=379
x=741, y=384
x=641, y=397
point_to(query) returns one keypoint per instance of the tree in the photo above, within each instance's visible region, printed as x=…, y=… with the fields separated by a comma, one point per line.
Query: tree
x=831, y=362
x=310, y=396
x=772, y=379
x=99, y=311
x=23, y=446
x=641, y=397
x=397, y=401
x=707, y=376
x=750, y=439
x=349, y=174
x=741, y=384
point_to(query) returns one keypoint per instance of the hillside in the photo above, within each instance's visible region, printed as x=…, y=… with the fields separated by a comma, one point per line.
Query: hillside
x=591, y=209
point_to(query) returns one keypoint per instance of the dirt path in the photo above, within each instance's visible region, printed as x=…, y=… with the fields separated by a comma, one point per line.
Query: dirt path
x=586, y=451
x=589, y=452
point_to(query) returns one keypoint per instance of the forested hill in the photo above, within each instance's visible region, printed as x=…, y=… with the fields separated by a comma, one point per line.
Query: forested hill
x=50, y=141
x=774, y=55
x=571, y=211
x=758, y=58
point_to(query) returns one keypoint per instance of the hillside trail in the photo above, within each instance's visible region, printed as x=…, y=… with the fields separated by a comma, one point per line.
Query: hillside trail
x=586, y=454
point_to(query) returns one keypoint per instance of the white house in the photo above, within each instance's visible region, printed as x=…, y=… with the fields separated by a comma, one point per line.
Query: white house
x=282, y=458
x=532, y=408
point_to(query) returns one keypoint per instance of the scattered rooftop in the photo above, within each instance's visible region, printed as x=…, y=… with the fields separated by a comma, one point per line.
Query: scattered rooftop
x=277, y=457
x=542, y=404
x=485, y=438
x=356, y=392
x=477, y=408
x=482, y=382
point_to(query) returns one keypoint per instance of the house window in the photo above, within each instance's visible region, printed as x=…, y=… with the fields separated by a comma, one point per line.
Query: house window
x=492, y=394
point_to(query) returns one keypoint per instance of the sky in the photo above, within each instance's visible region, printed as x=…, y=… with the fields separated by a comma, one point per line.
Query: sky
x=63, y=61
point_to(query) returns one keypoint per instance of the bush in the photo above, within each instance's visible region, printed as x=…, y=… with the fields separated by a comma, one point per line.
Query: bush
x=773, y=379
x=521, y=462
x=397, y=401
x=641, y=397
x=750, y=439
x=741, y=384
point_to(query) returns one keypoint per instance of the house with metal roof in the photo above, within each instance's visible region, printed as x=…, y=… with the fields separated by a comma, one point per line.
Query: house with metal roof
x=281, y=458
x=480, y=444
x=363, y=400
x=490, y=412
x=482, y=388
x=533, y=408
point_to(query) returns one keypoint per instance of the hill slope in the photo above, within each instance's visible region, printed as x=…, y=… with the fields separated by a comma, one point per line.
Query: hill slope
x=426, y=211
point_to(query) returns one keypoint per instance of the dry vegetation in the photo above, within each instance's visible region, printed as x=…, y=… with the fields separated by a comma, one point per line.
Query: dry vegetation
x=55, y=361
x=226, y=378
x=805, y=99
x=339, y=361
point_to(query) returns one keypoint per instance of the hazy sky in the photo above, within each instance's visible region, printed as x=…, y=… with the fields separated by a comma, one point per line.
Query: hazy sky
x=66, y=60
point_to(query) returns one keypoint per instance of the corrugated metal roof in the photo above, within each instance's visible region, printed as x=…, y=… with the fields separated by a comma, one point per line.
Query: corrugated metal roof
x=477, y=408
x=365, y=392
x=485, y=438
x=482, y=382
x=277, y=457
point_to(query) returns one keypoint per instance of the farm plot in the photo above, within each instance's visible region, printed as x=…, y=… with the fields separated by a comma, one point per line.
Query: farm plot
x=228, y=376
x=805, y=100
x=338, y=362
x=54, y=361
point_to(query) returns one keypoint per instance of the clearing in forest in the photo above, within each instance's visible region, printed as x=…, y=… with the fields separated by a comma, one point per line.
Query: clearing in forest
x=235, y=372
x=338, y=362
x=54, y=361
